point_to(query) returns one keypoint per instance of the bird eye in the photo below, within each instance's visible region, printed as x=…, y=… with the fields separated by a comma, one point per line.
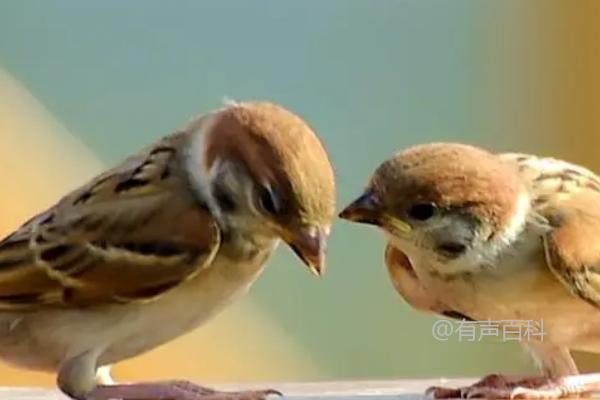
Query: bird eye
x=422, y=211
x=268, y=201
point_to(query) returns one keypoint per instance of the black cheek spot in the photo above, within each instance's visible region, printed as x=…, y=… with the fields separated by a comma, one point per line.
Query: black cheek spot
x=223, y=198
x=452, y=249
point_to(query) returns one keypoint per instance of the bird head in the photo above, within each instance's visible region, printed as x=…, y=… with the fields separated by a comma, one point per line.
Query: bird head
x=268, y=176
x=452, y=200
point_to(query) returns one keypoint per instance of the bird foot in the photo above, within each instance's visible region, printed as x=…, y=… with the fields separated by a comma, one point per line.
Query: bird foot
x=173, y=390
x=502, y=387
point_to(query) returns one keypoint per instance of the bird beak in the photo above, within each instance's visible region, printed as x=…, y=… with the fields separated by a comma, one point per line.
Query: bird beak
x=367, y=210
x=364, y=210
x=309, y=244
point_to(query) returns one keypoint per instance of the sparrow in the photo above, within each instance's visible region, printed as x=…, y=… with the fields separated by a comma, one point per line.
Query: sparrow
x=483, y=236
x=155, y=246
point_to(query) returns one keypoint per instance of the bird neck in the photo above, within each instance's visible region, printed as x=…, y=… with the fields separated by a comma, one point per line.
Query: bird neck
x=240, y=245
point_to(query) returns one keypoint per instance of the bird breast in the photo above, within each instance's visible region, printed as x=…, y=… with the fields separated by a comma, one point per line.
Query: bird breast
x=41, y=340
x=519, y=287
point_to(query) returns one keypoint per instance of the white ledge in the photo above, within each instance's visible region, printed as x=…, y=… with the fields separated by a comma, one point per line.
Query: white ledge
x=405, y=389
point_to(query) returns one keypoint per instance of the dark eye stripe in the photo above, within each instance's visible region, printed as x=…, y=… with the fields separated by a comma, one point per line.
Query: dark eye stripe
x=223, y=198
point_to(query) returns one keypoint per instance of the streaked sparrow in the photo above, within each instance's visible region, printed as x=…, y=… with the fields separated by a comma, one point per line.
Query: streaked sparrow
x=495, y=237
x=153, y=247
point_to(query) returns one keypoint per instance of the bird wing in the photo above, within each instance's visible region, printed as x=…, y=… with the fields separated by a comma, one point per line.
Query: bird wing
x=565, y=197
x=572, y=248
x=130, y=234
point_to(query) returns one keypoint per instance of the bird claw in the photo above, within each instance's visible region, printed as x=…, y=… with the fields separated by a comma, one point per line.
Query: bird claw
x=174, y=390
x=243, y=395
x=501, y=387
x=439, y=392
x=479, y=389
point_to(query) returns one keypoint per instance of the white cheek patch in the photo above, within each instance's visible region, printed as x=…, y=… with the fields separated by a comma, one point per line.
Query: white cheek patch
x=194, y=160
x=486, y=253
x=482, y=255
x=517, y=223
x=199, y=177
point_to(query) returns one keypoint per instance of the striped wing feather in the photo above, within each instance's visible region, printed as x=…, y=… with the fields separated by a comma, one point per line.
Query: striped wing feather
x=567, y=196
x=130, y=234
x=573, y=248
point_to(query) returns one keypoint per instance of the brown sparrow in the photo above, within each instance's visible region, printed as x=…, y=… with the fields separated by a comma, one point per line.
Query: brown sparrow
x=501, y=237
x=155, y=246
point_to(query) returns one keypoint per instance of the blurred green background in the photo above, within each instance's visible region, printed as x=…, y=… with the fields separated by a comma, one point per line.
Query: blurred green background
x=371, y=77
